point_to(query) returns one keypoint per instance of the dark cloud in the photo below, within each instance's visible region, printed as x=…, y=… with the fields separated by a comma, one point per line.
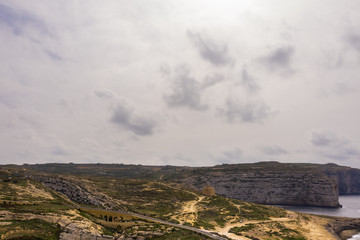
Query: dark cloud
x=326, y=139
x=104, y=93
x=212, y=80
x=18, y=20
x=217, y=54
x=273, y=150
x=353, y=40
x=186, y=91
x=246, y=112
x=127, y=119
x=249, y=82
x=279, y=59
x=343, y=154
x=334, y=147
x=53, y=55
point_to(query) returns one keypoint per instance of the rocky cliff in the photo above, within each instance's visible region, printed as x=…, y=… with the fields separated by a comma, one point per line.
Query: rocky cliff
x=283, y=188
x=263, y=182
x=348, y=180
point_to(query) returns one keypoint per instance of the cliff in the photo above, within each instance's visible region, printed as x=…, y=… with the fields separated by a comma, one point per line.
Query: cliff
x=282, y=188
x=348, y=180
x=263, y=182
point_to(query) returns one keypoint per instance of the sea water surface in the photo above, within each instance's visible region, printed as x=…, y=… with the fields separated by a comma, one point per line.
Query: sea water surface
x=350, y=208
x=355, y=237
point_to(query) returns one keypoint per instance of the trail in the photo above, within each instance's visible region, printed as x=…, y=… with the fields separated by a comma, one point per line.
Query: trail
x=189, y=210
x=203, y=232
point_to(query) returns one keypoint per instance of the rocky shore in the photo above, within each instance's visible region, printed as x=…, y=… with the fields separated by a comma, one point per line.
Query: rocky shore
x=344, y=228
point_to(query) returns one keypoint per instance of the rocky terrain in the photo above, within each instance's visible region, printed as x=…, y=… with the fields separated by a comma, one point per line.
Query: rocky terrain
x=75, y=191
x=36, y=205
x=265, y=182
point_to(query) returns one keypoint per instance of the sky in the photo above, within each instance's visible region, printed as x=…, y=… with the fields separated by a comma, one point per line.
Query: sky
x=187, y=83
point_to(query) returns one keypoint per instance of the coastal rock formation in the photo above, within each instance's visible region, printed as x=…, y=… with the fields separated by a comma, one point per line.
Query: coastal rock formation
x=344, y=228
x=348, y=179
x=283, y=188
x=263, y=182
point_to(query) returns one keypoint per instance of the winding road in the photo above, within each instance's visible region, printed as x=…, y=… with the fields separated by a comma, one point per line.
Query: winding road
x=203, y=232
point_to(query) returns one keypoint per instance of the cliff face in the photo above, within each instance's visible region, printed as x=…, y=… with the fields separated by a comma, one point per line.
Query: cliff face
x=348, y=180
x=283, y=188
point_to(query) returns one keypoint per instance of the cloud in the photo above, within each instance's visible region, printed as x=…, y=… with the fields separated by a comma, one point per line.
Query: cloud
x=249, y=82
x=216, y=54
x=279, y=59
x=250, y=112
x=53, y=55
x=343, y=154
x=127, y=119
x=18, y=20
x=231, y=156
x=273, y=150
x=353, y=40
x=104, y=94
x=212, y=80
x=326, y=139
x=334, y=147
x=178, y=158
x=186, y=91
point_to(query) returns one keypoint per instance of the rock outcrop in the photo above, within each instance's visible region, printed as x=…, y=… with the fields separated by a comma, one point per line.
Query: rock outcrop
x=76, y=192
x=341, y=227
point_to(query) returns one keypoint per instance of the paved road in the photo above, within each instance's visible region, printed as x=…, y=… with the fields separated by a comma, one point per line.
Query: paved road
x=208, y=234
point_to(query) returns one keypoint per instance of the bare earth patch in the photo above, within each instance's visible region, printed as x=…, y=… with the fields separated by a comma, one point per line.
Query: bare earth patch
x=31, y=190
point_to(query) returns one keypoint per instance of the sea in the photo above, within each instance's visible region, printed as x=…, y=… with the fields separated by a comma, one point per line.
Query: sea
x=350, y=208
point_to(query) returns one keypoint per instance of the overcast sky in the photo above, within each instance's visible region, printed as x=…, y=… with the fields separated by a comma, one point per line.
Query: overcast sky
x=193, y=83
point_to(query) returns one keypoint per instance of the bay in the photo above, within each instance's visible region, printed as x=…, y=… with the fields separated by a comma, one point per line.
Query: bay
x=350, y=208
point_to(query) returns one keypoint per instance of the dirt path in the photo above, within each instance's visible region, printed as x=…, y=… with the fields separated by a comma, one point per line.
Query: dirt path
x=313, y=229
x=189, y=211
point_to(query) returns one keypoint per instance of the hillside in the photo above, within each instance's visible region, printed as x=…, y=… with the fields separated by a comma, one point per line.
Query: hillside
x=264, y=182
x=54, y=206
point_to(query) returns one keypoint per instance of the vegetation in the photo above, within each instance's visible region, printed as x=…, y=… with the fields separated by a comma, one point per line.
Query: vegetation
x=141, y=189
x=181, y=235
x=30, y=229
x=144, y=196
x=245, y=228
